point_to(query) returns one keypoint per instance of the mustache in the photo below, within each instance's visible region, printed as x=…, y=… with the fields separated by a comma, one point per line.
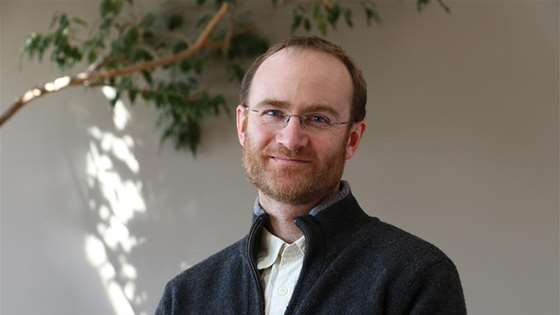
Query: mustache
x=282, y=151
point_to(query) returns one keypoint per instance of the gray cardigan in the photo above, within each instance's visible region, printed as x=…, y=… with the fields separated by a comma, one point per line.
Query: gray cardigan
x=354, y=264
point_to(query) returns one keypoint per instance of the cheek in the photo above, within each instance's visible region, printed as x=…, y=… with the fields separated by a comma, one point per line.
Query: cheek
x=329, y=147
x=256, y=137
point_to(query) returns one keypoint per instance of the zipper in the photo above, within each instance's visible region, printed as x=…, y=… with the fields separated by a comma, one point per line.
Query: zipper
x=313, y=261
x=250, y=241
x=292, y=305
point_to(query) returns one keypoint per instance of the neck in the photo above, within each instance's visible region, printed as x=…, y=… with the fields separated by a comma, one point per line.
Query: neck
x=282, y=215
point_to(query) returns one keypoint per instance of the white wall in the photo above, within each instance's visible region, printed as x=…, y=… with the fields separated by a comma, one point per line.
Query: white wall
x=462, y=150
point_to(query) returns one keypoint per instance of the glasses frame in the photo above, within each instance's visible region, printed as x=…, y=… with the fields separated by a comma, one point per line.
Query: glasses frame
x=300, y=118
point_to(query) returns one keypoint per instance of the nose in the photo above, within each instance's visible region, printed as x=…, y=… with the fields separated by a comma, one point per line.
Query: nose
x=292, y=136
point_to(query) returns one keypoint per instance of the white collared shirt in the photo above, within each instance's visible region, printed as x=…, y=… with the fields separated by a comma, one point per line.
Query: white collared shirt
x=279, y=264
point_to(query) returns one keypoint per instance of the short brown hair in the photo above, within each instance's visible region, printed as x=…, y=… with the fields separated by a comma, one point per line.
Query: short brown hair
x=359, y=94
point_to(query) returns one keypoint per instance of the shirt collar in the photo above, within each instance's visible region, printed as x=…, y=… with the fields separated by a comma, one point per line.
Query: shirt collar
x=343, y=191
x=271, y=247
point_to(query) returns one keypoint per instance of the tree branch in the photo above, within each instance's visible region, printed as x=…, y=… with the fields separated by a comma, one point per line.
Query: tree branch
x=444, y=6
x=229, y=33
x=85, y=78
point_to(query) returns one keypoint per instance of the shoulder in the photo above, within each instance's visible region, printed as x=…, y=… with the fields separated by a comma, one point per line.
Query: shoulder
x=421, y=276
x=217, y=264
x=204, y=283
x=397, y=247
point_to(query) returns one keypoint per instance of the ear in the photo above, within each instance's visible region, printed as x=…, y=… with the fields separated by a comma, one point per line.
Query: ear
x=241, y=120
x=356, y=133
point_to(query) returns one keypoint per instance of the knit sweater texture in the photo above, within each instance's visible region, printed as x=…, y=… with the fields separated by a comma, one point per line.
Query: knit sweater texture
x=354, y=264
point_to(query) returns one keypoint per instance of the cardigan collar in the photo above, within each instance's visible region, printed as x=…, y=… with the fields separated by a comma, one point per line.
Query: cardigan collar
x=343, y=191
x=320, y=229
x=326, y=233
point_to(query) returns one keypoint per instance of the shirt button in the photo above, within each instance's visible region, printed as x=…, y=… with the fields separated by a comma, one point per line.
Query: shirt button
x=282, y=291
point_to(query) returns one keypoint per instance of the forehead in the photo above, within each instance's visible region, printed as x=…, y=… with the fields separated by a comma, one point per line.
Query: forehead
x=303, y=78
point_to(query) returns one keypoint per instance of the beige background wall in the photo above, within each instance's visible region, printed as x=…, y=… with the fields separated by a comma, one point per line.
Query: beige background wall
x=462, y=150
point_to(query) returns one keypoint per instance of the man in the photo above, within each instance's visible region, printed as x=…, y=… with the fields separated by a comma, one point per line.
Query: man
x=311, y=248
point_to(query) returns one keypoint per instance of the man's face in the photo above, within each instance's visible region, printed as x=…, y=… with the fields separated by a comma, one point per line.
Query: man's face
x=297, y=165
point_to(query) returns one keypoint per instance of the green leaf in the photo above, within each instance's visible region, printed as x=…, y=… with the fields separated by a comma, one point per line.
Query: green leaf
x=317, y=9
x=105, y=7
x=319, y=18
x=180, y=46
x=191, y=137
x=141, y=55
x=203, y=20
x=174, y=22
x=31, y=44
x=237, y=72
x=348, y=18
x=117, y=47
x=148, y=37
x=148, y=20
x=372, y=14
x=185, y=66
x=322, y=26
x=63, y=22
x=131, y=37
x=43, y=45
x=181, y=126
x=333, y=15
x=54, y=20
x=217, y=102
x=79, y=21
x=296, y=22
x=114, y=100
x=420, y=4
x=247, y=45
x=106, y=24
x=307, y=24
x=132, y=93
x=198, y=64
x=126, y=83
x=147, y=75
x=92, y=56
x=110, y=8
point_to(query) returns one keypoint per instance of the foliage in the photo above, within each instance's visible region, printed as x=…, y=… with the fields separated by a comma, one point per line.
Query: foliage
x=120, y=39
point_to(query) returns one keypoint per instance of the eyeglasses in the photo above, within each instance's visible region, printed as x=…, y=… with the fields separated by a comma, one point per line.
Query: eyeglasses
x=278, y=119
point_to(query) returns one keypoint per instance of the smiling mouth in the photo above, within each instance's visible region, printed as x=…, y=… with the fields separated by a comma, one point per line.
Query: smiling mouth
x=289, y=160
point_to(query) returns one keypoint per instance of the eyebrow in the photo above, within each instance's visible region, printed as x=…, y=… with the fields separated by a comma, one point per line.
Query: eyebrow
x=309, y=109
x=272, y=102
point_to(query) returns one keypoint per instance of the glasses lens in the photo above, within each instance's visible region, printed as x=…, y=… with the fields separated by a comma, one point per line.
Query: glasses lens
x=278, y=119
x=317, y=121
x=273, y=118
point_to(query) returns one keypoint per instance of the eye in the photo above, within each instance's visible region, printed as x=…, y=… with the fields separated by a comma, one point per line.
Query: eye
x=318, y=120
x=274, y=113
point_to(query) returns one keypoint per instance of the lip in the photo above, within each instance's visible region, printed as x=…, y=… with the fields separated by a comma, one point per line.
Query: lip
x=282, y=159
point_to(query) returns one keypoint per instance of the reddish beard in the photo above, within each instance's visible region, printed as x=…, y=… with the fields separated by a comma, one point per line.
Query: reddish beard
x=293, y=184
